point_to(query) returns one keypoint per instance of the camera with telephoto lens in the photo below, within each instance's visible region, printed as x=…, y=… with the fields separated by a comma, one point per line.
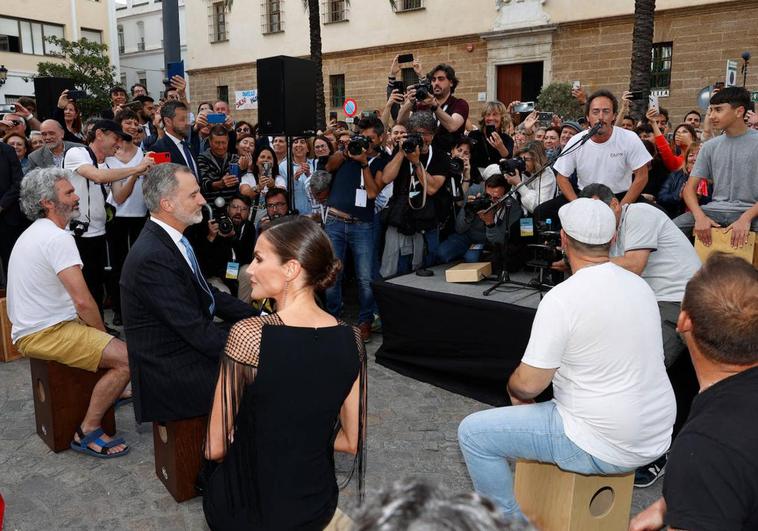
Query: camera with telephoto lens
x=217, y=213
x=358, y=144
x=456, y=166
x=510, y=166
x=423, y=89
x=482, y=202
x=411, y=142
x=78, y=227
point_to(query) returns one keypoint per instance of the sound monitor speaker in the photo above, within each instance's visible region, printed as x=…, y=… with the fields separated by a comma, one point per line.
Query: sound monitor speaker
x=286, y=96
x=47, y=90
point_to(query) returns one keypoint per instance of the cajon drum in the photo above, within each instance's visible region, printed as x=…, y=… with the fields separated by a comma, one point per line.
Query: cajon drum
x=556, y=500
x=722, y=242
x=8, y=352
x=61, y=399
x=178, y=449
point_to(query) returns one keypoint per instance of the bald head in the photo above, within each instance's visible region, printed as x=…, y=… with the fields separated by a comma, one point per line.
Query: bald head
x=52, y=134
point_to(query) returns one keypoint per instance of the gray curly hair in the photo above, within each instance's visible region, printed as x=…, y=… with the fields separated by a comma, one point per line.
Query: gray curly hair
x=39, y=185
x=422, y=120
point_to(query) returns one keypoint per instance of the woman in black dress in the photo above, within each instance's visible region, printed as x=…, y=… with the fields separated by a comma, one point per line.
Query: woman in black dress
x=291, y=391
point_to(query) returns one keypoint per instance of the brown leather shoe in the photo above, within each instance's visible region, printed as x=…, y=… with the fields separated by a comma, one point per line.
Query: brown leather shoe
x=365, y=329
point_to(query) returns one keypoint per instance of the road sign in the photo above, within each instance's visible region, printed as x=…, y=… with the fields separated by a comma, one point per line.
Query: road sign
x=350, y=107
x=731, y=73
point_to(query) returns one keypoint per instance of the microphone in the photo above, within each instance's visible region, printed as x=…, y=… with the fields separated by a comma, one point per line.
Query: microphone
x=594, y=130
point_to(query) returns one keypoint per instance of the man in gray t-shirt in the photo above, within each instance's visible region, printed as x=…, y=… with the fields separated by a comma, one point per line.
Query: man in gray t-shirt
x=649, y=244
x=730, y=161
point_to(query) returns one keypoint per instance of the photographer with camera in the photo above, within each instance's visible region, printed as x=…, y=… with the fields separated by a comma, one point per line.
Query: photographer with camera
x=349, y=219
x=475, y=227
x=90, y=174
x=302, y=168
x=418, y=171
x=224, y=246
x=541, y=189
x=218, y=169
x=435, y=93
x=491, y=142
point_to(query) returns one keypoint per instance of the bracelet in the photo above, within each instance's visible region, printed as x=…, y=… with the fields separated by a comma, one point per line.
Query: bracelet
x=434, y=108
x=364, y=166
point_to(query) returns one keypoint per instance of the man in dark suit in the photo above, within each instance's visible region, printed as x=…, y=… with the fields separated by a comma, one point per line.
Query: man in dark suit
x=51, y=154
x=12, y=222
x=168, y=307
x=175, y=139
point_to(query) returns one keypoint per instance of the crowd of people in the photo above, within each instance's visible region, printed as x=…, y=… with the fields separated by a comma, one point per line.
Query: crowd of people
x=221, y=251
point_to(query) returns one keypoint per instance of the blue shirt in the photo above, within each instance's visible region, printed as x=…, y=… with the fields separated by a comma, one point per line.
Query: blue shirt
x=347, y=180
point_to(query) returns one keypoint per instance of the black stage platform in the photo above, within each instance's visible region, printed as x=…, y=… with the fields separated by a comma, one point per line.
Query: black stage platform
x=452, y=336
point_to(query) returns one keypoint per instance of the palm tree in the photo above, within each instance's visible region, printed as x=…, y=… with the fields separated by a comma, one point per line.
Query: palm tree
x=314, y=23
x=642, y=50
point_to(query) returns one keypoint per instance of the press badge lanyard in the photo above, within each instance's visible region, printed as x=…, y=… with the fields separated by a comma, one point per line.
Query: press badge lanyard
x=414, y=180
x=361, y=197
x=233, y=267
x=444, y=108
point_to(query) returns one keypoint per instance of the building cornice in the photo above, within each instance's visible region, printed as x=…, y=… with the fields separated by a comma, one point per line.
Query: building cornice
x=513, y=32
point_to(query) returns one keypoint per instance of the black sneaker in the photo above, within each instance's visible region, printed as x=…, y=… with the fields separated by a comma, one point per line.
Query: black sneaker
x=648, y=474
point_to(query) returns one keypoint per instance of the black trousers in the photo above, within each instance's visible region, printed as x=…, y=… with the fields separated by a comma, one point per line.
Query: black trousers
x=92, y=252
x=121, y=233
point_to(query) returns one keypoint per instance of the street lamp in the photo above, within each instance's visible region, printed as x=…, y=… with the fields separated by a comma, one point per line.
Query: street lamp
x=3, y=75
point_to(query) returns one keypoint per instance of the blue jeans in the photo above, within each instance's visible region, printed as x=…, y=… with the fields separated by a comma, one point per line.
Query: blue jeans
x=535, y=432
x=360, y=237
x=432, y=241
x=456, y=246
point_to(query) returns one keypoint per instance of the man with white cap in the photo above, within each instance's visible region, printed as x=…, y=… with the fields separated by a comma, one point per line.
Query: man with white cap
x=592, y=338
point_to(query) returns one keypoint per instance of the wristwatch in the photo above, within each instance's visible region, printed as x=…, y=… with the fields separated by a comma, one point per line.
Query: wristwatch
x=364, y=166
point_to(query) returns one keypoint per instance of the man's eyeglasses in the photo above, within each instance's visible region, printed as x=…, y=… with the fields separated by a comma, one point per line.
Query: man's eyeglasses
x=275, y=205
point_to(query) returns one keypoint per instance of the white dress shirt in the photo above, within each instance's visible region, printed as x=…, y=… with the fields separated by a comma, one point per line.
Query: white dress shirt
x=176, y=236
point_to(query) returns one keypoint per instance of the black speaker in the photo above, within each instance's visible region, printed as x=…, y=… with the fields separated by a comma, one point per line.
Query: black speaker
x=286, y=96
x=47, y=90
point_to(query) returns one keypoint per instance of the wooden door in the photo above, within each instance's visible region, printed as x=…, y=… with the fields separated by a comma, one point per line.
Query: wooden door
x=509, y=81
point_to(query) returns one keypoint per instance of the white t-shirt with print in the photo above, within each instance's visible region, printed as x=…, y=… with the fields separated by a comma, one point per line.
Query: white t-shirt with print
x=37, y=298
x=610, y=163
x=91, y=200
x=601, y=330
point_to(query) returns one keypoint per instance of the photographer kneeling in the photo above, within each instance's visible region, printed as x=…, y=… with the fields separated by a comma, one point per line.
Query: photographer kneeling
x=226, y=248
x=474, y=227
x=543, y=187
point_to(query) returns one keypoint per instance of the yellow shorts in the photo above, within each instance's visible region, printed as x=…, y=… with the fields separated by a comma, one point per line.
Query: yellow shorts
x=71, y=343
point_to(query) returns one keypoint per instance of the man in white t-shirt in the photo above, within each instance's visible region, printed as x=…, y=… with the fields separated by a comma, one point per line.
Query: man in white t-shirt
x=53, y=314
x=611, y=156
x=90, y=174
x=580, y=343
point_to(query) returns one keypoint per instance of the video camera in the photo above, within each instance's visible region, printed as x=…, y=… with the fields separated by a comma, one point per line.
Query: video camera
x=217, y=213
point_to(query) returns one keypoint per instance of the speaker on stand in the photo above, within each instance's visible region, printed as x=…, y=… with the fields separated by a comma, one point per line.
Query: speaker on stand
x=47, y=90
x=287, y=103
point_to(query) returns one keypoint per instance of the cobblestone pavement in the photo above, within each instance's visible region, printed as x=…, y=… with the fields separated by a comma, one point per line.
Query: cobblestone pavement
x=412, y=432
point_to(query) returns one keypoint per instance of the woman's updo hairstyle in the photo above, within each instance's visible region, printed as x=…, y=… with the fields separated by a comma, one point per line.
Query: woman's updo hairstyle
x=302, y=239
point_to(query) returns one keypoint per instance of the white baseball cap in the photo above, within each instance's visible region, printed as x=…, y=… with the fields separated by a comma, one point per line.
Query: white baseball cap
x=489, y=171
x=588, y=221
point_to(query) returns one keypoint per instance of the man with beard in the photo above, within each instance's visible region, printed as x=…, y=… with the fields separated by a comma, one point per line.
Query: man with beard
x=175, y=141
x=53, y=313
x=169, y=308
x=90, y=174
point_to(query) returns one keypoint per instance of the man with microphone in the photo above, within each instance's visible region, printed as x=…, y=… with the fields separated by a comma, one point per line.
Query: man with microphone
x=603, y=154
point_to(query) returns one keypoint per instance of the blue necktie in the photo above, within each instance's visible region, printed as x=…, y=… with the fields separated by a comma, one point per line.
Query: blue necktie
x=198, y=274
x=188, y=156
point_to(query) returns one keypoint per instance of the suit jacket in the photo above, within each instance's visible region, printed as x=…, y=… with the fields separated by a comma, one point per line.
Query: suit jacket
x=165, y=144
x=173, y=343
x=43, y=157
x=10, y=186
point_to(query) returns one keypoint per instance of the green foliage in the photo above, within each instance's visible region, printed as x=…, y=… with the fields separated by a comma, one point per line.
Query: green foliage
x=556, y=97
x=88, y=65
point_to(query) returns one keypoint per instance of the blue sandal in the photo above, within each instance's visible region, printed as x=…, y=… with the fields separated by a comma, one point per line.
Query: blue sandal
x=94, y=437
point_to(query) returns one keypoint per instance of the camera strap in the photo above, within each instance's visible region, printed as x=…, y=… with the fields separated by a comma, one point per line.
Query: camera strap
x=363, y=182
x=414, y=181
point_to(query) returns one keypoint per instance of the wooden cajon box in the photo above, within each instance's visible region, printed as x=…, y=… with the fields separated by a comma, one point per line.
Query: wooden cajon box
x=722, y=242
x=555, y=500
x=178, y=449
x=8, y=352
x=61, y=399
x=468, y=272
